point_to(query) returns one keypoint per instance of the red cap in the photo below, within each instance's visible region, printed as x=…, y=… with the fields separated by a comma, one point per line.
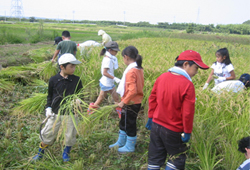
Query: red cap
x=194, y=56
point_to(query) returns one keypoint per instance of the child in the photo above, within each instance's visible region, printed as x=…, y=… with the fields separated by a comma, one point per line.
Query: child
x=131, y=91
x=65, y=46
x=57, y=40
x=88, y=43
x=60, y=86
x=244, y=147
x=233, y=85
x=105, y=37
x=222, y=68
x=109, y=64
x=171, y=112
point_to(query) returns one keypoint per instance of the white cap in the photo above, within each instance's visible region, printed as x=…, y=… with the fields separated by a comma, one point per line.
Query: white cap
x=101, y=32
x=68, y=58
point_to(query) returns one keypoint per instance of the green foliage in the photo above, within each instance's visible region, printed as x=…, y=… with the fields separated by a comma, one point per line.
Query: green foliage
x=7, y=37
x=6, y=85
x=31, y=106
x=219, y=120
x=49, y=69
x=190, y=29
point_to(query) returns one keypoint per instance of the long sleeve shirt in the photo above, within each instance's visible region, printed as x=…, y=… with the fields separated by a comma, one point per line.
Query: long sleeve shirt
x=134, y=84
x=60, y=87
x=106, y=38
x=172, y=102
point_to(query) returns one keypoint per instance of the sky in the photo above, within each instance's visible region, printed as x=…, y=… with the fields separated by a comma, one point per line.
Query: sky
x=152, y=11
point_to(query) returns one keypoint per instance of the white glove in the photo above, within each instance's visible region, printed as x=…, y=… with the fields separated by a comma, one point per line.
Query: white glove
x=78, y=102
x=117, y=80
x=49, y=112
x=205, y=86
x=221, y=79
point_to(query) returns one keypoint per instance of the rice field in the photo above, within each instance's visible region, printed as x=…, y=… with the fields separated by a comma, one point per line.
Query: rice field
x=220, y=120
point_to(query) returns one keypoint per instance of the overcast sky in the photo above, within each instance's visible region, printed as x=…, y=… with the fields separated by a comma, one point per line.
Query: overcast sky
x=153, y=11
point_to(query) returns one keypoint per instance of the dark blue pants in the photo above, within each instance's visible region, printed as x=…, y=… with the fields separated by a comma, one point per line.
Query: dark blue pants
x=128, y=119
x=165, y=142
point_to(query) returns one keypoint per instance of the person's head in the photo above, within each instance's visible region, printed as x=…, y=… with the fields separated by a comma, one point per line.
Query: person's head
x=67, y=63
x=222, y=56
x=65, y=34
x=244, y=146
x=101, y=32
x=131, y=54
x=190, y=61
x=245, y=79
x=57, y=40
x=112, y=47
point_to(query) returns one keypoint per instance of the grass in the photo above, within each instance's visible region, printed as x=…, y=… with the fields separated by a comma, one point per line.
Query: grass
x=220, y=120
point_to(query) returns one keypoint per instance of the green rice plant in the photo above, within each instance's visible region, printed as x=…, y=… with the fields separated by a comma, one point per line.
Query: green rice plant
x=32, y=105
x=6, y=85
x=38, y=82
x=19, y=73
x=219, y=122
x=70, y=107
x=49, y=69
x=40, y=55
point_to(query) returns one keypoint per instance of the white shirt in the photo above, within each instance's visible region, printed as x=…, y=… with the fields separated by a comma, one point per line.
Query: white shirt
x=222, y=70
x=89, y=43
x=230, y=86
x=109, y=61
x=106, y=38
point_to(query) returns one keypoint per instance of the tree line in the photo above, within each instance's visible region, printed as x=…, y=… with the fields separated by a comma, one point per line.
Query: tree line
x=243, y=29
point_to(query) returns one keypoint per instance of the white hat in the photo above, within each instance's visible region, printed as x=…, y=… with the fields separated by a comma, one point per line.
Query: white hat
x=68, y=58
x=101, y=32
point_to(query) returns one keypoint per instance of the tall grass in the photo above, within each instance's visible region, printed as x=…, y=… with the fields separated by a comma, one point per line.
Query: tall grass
x=220, y=120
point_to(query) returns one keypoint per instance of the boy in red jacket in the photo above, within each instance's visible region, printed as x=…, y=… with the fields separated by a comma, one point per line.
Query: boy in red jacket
x=171, y=112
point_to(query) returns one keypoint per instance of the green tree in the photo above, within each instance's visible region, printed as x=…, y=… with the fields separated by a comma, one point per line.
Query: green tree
x=32, y=19
x=190, y=29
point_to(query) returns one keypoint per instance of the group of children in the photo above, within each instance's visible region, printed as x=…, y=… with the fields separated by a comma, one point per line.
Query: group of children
x=171, y=102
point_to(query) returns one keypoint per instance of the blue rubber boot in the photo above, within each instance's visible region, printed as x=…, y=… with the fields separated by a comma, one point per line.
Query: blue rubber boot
x=66, y=152
x=154, y=167
x=129, y=146
x=40, y=153
x=170, y=166
x=121, y=140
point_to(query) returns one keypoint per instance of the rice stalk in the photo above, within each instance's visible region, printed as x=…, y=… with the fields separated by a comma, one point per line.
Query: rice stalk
x=6, y=85
x=32, y=105
x=49, y=69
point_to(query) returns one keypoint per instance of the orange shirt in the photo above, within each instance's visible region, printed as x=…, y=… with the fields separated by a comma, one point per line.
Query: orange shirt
x=133, y=93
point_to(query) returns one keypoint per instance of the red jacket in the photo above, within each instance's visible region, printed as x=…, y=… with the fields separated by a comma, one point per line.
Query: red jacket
x=172, y=102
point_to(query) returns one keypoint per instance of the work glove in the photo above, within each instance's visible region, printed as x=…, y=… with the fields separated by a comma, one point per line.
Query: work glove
x=117, y=80
x=221, y=79
x=49, y=112
x=78, y=102
x=149, y=124
x=185, y=137
x=205, y=86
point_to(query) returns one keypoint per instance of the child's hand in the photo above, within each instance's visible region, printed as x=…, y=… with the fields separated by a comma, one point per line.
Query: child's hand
x=185, y=137
x=205, y=86
x=117, y=80
x=121, y=104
